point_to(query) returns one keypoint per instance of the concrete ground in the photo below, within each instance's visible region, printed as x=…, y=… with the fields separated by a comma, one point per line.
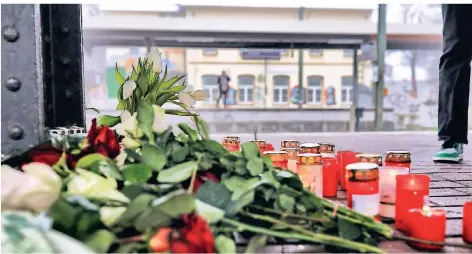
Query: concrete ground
x=451, y=184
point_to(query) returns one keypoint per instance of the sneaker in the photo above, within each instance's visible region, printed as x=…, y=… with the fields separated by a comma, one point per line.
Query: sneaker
x=446, y=153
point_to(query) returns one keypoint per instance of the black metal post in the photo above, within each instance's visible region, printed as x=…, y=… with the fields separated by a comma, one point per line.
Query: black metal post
x=42, y=72
x=381, y=48
x=354, y=120
x=301, y=17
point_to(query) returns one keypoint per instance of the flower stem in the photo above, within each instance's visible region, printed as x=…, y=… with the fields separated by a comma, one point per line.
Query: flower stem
x=289, y=215
x=313, y=237
x=131, y=239
x=192, y=181
x=412, y=239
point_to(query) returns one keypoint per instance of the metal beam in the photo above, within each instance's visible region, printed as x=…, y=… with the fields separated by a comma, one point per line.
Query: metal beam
x=381, y=48
x=61, y=33
x=22, y=89
x=301, y=12
x=353, y=119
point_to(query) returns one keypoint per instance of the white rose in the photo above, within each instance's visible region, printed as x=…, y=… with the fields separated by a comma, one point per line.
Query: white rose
x=200, y=95
x=130, y=127
x=154, y=58
x=159, y=123
x=125, y=115
x=187, y=99
x=128, y=88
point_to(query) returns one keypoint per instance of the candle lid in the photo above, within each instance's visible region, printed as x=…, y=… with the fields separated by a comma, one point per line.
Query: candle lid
x=231, y=142
x=260, y=143
x=398, y=156
x=309, y=148
x=310, y=145
x=309, y=159
x=326, y=147
x=328, y=155
x=277, y=155
x=372, y=158
x=231, y=138
x=362, y=172
x=289, y=144
x=292, y=153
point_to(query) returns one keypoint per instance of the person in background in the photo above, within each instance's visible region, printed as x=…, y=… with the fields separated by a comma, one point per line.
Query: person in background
x=223, y=82
x=454, y=81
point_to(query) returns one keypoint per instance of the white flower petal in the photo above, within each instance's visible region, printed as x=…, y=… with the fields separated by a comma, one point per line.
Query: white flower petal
x=130, y=143
x=187, y=99
x=159, y=123
x=125, y=115
x=130, y=126
x=128, y=88
x=154, y=57
x=188, y=88
x=200, y=95
x=45, y=173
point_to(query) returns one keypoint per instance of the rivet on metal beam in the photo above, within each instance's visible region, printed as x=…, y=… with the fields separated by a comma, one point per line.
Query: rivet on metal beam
x=13, y=84
x=15, y=132
x=10, y=33
x=64, y=30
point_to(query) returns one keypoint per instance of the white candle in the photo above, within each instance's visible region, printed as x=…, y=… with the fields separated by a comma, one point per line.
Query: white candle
x=388, y=183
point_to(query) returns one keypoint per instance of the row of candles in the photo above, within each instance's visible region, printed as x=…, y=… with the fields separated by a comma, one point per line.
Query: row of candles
x=382, y=190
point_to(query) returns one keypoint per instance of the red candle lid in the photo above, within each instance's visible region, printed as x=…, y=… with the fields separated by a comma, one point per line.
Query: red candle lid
x=309, y=159
x=362, y=171
x=309, y=148
x=289, y=144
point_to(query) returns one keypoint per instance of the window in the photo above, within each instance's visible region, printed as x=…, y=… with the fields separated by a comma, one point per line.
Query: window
x=315, y=87
x=209, y=51
x=316, y=52
x=246, y=88
x=348, y=52
x=281, y=84
x=210, y=85
x=283, y=52
x=346, y=89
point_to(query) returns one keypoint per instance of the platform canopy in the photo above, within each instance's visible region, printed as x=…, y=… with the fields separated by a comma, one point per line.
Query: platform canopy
x=217, y=33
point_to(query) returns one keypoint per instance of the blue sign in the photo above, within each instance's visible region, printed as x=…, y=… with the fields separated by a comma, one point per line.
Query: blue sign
x=260, y=54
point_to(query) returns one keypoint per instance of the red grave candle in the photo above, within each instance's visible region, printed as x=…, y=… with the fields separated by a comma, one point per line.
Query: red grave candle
x=363, y=193
x=467, y=222
x=398, y=159
x=345, y=158
x=330, y=180
x=279, y=158
x=269, y=147
x=412, y=191
x=426, y=224
x=232, y=143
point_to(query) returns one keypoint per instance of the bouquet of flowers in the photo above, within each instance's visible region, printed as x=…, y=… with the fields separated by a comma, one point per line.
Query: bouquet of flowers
x=145, y=187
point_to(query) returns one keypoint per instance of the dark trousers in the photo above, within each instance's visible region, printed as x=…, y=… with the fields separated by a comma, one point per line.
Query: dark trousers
x=222, y=94
x=454, y=73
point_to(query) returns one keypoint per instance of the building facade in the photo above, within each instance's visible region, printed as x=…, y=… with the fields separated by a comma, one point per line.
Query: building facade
x=327, y=73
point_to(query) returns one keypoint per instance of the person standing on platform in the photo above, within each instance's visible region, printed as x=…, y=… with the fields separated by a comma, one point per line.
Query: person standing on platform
x=454, y=82
x=223, y=82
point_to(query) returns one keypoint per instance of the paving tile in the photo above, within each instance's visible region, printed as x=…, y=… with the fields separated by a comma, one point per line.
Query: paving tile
x=436, y=177
x=446, y=184
x=465, y=190
x=454, y=227
x=446, y=192
x=450, y=201
x=452, y=212
x=457, y=176
x=466, y=183
x=341, y=195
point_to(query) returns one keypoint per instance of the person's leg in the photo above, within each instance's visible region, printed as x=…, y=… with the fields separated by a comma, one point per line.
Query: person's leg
x=218, y=100
x=225, y=96
x=454, y=81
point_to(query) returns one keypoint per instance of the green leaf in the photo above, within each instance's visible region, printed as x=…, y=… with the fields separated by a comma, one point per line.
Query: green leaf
x=203, y=127
x=268, y=177
x=133, y=154
x=214, y=194
x=145, y=118
x=154, y=157
x=224, y=244
x=256, y=243
x=174, y=89
x=210, y=213
x=88, y=160
x=348, y=230
x=250, y=150
x=187, y=130
x=109, y=168
x=119, y=77
x=134, y=74
x=164, y=209
x=136, y=207
x=177, y=173
x=132, y=248
x=94, y=110
x=180, y=113
x=100, y=241
x=213, y=147
x=168, y=83
x=121, y=105
x=163, y=98
x=179, y=153
x=286, y=202
x=137, y=173
x=109, y=121
x=143, y=82
x=255, y=166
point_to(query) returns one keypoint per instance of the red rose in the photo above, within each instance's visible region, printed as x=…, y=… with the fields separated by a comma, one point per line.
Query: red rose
x=50, y=155
x=202, y=177
x=102, y=140
x=191, y=235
